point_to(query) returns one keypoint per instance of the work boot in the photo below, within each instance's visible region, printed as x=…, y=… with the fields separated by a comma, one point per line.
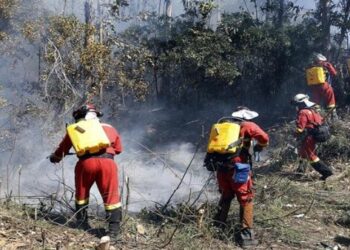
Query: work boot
x=323, y=169
x=247, y=238
x=114, y=218
x=222, y=213
x=82, y=217
x=246, y=220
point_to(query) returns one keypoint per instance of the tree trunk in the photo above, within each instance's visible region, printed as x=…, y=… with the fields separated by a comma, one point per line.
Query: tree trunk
x=268, y=11
x=89, y=39
x=160, y=8
x=325, y=25
x=343, y=28
x=169, y=8
x=280, y=18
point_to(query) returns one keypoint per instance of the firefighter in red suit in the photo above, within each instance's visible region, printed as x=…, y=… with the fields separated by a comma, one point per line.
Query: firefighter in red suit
x=226, y=170
x=100, y=168
x=307, y=117
x=323, y=94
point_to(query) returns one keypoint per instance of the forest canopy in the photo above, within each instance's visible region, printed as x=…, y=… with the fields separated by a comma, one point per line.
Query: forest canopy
x=180, y=60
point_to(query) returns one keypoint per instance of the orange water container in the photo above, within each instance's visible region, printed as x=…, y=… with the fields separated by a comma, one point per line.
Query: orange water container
x=88, y=136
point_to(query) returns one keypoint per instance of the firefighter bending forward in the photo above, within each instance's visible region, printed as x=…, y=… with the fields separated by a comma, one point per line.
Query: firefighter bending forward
x=100, y=168
x=228, y=186
x=307, y=117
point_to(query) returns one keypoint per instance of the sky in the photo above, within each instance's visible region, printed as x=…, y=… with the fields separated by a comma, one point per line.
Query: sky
x=77, y=6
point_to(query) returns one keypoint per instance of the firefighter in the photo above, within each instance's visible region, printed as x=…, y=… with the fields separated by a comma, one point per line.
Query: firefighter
x=98, y=167
x=321, y=60
x=226, y=171
x=307, y=119
x=323, y=94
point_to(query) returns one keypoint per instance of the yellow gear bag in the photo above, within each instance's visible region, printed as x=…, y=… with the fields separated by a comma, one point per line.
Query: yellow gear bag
x=315, y=76
x=224, y=138
x=88, y=136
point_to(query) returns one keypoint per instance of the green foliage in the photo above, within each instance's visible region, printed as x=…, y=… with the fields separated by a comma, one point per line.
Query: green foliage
x=7, y=8
x=63, y=30
x=181, y=60
x=338, y=145
x=7, y=11
x=206, y=7
x=204, y=52
x=77, y=66
x=194, y=60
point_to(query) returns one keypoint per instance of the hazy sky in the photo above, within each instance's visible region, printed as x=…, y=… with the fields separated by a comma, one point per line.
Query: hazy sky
x=226, y=5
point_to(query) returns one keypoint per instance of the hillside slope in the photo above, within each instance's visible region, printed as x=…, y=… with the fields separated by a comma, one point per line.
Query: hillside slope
x=292, y=210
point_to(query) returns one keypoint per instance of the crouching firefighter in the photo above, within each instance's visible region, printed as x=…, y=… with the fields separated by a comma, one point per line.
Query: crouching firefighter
x=228, y=155
x=95, y=144
x=310, y=129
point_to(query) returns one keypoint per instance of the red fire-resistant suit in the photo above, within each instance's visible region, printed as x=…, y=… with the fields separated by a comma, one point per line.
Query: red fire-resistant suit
x=330, y=68
x=99, y=168
x=243, y=191
x=306, y=119
x=249, y=130
x=323, y=94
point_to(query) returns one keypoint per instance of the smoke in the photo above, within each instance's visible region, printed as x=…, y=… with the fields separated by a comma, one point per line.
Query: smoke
x=154, y=160
x=153, y=179
x=158, y=146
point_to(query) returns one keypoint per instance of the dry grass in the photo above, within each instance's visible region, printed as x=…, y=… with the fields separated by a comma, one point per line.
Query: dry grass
x=292, y=211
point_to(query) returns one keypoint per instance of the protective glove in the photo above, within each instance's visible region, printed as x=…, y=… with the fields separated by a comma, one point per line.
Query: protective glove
x=258, y=148
x=325, y=64
x=54, y=158
x=208, y=163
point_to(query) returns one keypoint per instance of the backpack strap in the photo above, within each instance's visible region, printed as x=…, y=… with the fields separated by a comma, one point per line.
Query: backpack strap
x=235, y=143
x=313, y=115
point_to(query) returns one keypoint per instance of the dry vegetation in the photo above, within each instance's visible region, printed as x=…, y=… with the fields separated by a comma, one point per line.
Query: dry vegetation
x=292, y=211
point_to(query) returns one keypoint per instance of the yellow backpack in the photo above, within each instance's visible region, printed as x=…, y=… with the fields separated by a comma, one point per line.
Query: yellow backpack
x=315, y=76
x=224, y=137
x=88, y=137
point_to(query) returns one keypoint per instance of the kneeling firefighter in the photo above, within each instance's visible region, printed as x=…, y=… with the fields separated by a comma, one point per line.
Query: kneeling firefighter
x=95, y=144
x=228, y=155
x=310, y=129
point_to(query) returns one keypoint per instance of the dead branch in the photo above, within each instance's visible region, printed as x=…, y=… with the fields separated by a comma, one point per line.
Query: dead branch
x=202, y=189
x=59, y=71
x=182, y=178
x=158, y=157
x=182, y=216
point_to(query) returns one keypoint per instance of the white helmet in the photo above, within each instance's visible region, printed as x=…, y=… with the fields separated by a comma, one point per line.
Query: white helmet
x=320, y=57
x=300, y=98
x=303, y=99
x=244, y=114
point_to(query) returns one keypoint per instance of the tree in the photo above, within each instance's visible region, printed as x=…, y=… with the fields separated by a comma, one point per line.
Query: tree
x=323, y=14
